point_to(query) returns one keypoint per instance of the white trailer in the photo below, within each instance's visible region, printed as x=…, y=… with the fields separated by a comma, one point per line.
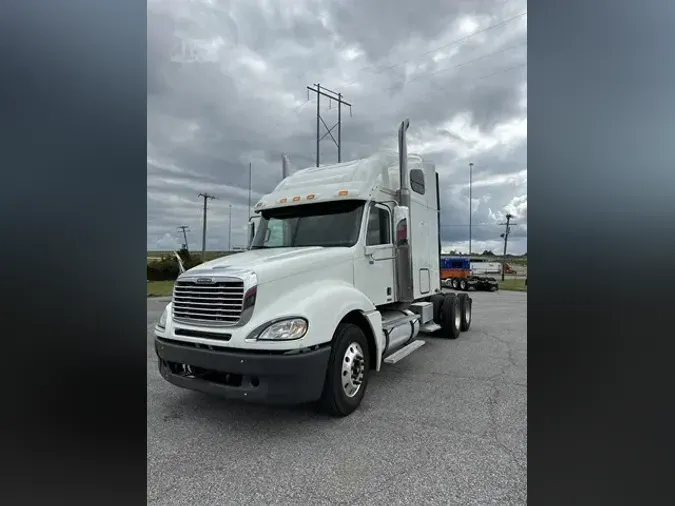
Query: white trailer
x=341, y=277
x=481, y=267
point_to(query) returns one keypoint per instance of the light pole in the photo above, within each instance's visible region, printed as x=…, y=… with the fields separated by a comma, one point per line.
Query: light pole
x=229, y=232
x=470, y=204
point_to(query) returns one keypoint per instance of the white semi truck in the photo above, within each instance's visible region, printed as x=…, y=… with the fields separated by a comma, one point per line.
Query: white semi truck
x=341, y=277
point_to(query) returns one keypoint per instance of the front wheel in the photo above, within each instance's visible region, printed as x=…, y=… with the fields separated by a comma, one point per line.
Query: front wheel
x=347, y=374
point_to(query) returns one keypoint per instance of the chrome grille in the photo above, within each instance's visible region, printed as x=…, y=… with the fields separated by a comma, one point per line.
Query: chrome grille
x=216, y=303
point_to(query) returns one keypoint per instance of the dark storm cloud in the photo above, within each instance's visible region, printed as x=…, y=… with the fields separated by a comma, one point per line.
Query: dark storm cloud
x=226, y=86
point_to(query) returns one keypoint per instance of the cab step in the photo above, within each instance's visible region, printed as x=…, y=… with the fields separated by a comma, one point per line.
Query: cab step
x=430, y=328
x=404, y=352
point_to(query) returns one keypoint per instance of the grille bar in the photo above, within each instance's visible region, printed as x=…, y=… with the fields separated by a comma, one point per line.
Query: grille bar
x=209, y=289
x=193, y=293
x=217, y=303
x=194, y=298
x=192, y=303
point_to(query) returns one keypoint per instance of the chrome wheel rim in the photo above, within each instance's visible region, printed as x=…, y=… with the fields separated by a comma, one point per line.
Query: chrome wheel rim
x=353, y=370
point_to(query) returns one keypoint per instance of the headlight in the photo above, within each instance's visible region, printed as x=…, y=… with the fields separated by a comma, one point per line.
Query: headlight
x=162, y=319
x=285, y=330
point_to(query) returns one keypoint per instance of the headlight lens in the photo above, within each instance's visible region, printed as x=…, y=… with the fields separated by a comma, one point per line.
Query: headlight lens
x=286, y=330
x=162, y=319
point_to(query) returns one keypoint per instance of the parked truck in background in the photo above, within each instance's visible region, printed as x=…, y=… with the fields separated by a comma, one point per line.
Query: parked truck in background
x=457, y=273
x=341, y=277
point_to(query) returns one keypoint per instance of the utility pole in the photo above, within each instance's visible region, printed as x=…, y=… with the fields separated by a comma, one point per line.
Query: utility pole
x=206, y=197
x=250, y=187
x=318, y=118
x=184, y=228
x=470, y=204
x=505, y=235
x=337, y=97
x=229, y=232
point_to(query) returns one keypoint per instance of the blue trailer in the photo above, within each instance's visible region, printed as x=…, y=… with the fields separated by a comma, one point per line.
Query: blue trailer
x=456, y=274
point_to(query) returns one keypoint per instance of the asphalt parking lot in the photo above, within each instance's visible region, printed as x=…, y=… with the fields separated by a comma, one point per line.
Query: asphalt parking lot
x=446, y=425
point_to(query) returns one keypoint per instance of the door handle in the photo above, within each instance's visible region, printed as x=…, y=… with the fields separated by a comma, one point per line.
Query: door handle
x=372, y=259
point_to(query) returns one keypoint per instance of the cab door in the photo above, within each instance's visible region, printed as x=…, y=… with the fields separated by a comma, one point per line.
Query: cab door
x=374, y=265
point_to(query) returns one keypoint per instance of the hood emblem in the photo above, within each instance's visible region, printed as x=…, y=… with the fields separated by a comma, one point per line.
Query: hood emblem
x=204, y=281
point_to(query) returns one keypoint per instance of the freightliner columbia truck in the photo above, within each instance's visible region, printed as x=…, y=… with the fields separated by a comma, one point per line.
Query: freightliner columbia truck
x=340, y=279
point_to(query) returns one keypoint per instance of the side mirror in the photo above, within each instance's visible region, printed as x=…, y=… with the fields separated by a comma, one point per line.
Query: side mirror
x=401, y=216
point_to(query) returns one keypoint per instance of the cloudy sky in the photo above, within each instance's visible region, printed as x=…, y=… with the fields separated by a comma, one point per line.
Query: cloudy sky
x=227, y=87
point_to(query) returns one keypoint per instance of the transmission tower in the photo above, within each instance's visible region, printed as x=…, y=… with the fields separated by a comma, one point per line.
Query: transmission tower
x=331, y=96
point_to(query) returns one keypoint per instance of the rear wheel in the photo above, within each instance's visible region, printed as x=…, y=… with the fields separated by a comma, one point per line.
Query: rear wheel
x=347, y=374
x=437, y=301
x=454, y=283
x=462, y=285
x=451, y=316
x=465, y=303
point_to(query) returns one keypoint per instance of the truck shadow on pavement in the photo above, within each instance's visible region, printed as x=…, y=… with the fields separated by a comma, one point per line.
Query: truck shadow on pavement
x=200, y=408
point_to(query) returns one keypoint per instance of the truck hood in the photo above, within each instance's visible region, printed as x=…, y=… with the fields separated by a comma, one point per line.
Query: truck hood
x=274, y=263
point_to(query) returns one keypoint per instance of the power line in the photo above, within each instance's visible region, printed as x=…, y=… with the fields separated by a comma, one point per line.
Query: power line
x=339, y=100
x=456, y=41
x=445, y=46
x=480, y=78
x=463, y=64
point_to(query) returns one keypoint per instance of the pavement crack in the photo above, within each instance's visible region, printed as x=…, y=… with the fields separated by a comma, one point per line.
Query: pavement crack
x=510, y=357
x=491, y=429
x=491, y=432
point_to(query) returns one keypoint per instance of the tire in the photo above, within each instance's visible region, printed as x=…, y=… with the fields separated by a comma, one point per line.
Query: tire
x=349, y=342
x=451, y=316
x=465, y=304
x=437, y=301
x=462, y=285
x=454, y=283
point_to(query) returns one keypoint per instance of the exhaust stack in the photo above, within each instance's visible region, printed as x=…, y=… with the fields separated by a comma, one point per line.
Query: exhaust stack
x=403, y=163
x=404, y=276
x=285, y=166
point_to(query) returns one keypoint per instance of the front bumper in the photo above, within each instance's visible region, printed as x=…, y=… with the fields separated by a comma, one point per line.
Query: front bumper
x=252, y=376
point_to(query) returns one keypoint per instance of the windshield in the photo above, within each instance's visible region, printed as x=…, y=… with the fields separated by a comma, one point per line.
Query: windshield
x=329, y=224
